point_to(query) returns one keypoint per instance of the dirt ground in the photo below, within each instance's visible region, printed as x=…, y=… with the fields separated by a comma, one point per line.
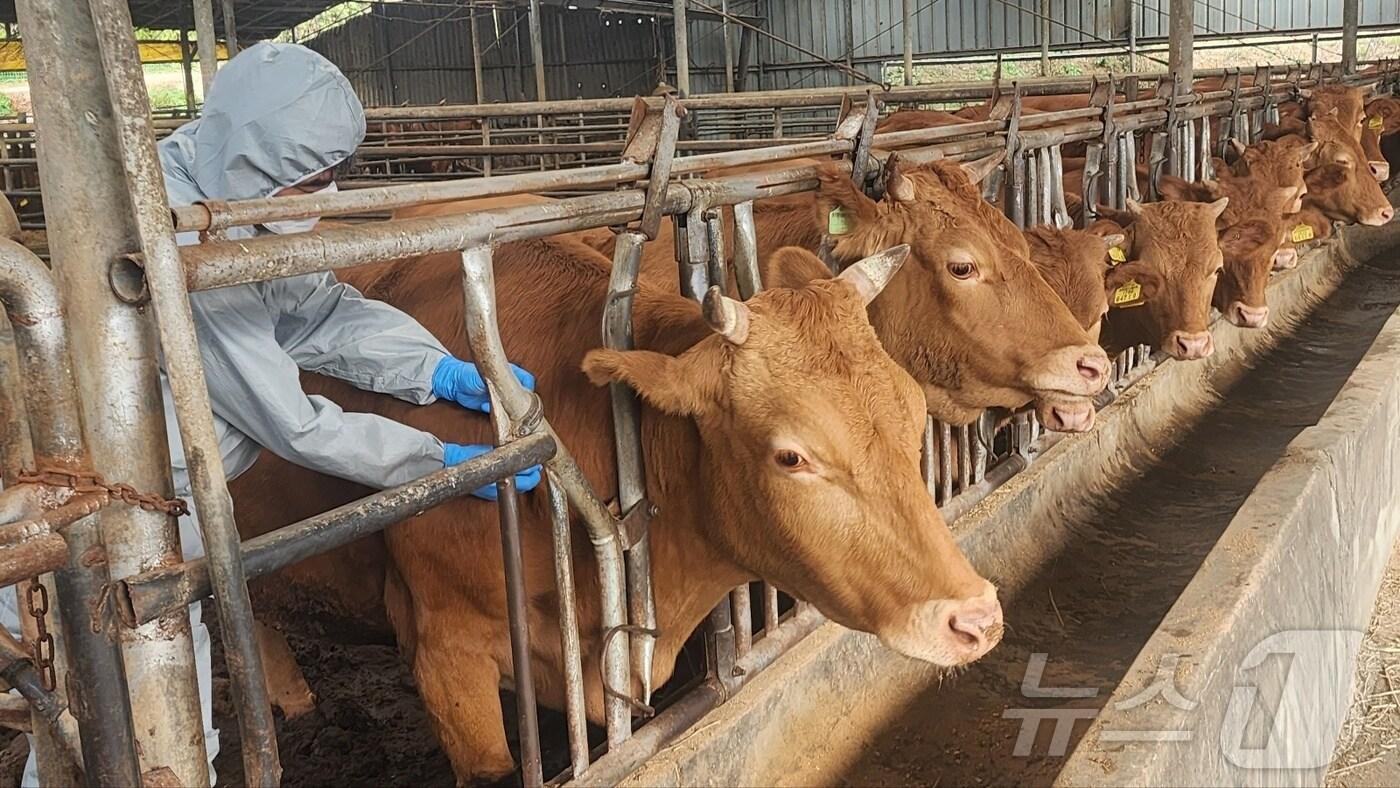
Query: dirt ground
x=1368, y=752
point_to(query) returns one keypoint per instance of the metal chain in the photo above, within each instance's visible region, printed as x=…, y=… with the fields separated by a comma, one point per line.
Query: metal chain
x=37, y=603
x=89, y=482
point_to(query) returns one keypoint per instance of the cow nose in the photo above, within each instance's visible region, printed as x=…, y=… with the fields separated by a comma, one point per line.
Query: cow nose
x=1246, y=316
x=1093, y=368
x=1384, y=215
x=975, y=624
x=1186, y=346
x=1380, y=169
x=1070, y=418
x=1285, y=258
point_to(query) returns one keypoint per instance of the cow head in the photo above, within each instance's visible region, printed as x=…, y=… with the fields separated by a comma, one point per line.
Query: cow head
x=1277, y=163
x=968, y=316
x=1251, y=230
x=1387, y=109
x=1340, y=181
x=1076, y=264
x=1176, y=243
x=812, y=436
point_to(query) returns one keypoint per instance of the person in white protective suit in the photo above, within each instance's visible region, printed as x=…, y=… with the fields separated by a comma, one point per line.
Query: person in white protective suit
x=281, y=119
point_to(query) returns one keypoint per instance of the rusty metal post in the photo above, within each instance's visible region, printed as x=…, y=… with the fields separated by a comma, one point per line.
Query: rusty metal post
x=187, y=67
x=230, y=26
x=537, y=49
x=113, y=344
x=206, y=43
x=1351, y=17
x=907, y=23
x=477, y=75
x=147, y=227
x=1181, y=38
x=678, y=18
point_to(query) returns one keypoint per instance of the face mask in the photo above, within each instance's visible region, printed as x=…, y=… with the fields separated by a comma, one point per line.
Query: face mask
x=294, y=226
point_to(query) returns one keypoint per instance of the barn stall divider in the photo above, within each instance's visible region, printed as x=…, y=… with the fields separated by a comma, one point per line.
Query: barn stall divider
x=131, y=265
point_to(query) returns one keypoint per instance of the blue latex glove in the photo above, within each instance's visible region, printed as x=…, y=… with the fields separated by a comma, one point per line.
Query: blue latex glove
x=456, y=454
x=460, y=382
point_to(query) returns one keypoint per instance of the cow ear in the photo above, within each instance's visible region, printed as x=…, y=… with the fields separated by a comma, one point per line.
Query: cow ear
x=1173, y=188
x=1115, y=239
x=1133, y=271
x=979, y=169
x=898, y=186
x=841, y=206
x=678, y=385
x=793, y=267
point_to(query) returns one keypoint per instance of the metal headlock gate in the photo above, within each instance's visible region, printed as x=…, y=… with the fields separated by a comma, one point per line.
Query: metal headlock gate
x=83, y=331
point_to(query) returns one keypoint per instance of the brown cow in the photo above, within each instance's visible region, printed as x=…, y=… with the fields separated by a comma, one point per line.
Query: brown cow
x=1176, y=242
x=1078, y=266
x=1251, y=230
x=969, y=316
x=1341, y=184
x=781, y=442
x=909, y=119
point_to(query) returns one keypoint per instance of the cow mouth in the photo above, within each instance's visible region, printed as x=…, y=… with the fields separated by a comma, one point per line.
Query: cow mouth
x=949, y=632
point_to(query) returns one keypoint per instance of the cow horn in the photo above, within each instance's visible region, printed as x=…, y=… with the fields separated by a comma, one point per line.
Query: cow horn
x=980, y=168
x=729, y=318
x=897, y=186
x=1134, y=207
x=1237, y=146
x=870, y=275
x=1218, y=207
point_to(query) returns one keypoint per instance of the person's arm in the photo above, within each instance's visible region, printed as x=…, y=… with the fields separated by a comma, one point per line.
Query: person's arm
x=255, y=385
x=327, y=327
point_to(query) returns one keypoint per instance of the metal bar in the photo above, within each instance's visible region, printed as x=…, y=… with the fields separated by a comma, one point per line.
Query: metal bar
x=1180, y=39
x=574, y=709
x=945, y=462
x=728, y=48
x=907, y=25
x=164, y=277
x=517, y=612
x=230, y=26
x=928, y=457
x=621, y=761
x=1045, y=38
x=714, y=241
x=187, y=68
x=627, y=442
x=964, y=458
x=145, y=596
x=682, y=43
x=746, y=272
x=205, y=42
x=478, y=76
x=35, y=313
x=770, y=608
x=523, y=409
x=746, y=47
x=742, y=603
x=1351, y=16
x=112, y=345
x=537, y=50
x=720, y=646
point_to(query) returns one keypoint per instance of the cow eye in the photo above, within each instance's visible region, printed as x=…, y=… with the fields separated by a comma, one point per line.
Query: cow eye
x=790, y=460
x=961, y=269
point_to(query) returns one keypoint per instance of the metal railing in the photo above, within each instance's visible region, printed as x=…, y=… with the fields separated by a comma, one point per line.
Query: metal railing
x=649, y=182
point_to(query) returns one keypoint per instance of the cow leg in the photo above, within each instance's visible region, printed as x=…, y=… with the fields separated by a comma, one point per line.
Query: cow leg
x=286, y=686
x=460, y=686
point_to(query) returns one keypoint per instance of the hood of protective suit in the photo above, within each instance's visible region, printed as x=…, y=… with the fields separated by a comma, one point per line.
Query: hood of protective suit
x=275, y=115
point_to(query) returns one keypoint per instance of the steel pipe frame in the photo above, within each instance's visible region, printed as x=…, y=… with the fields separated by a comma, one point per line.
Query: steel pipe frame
x=144, y=597
x=97, y=684
x=112, y=344
x=164, y=280
x=205, y=42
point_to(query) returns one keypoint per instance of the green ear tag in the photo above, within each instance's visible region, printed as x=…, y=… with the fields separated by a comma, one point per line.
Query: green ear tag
x=1301, y=233
x=1129, y=294
x=838, y=222
x=1117, y=255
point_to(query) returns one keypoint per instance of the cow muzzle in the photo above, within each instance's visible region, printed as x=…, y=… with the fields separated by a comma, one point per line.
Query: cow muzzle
x=1379, y=216
x=1078, y=371
x=1066, y=415
x=1246, y=316
x=1189, y=345
x=949, y=632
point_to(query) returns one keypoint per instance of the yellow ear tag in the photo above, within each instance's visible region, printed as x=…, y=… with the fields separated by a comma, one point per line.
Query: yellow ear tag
x=1128, y=295
x=838, y=222
x=1301, y=233
x=1376, y=122
x=1117, y=255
